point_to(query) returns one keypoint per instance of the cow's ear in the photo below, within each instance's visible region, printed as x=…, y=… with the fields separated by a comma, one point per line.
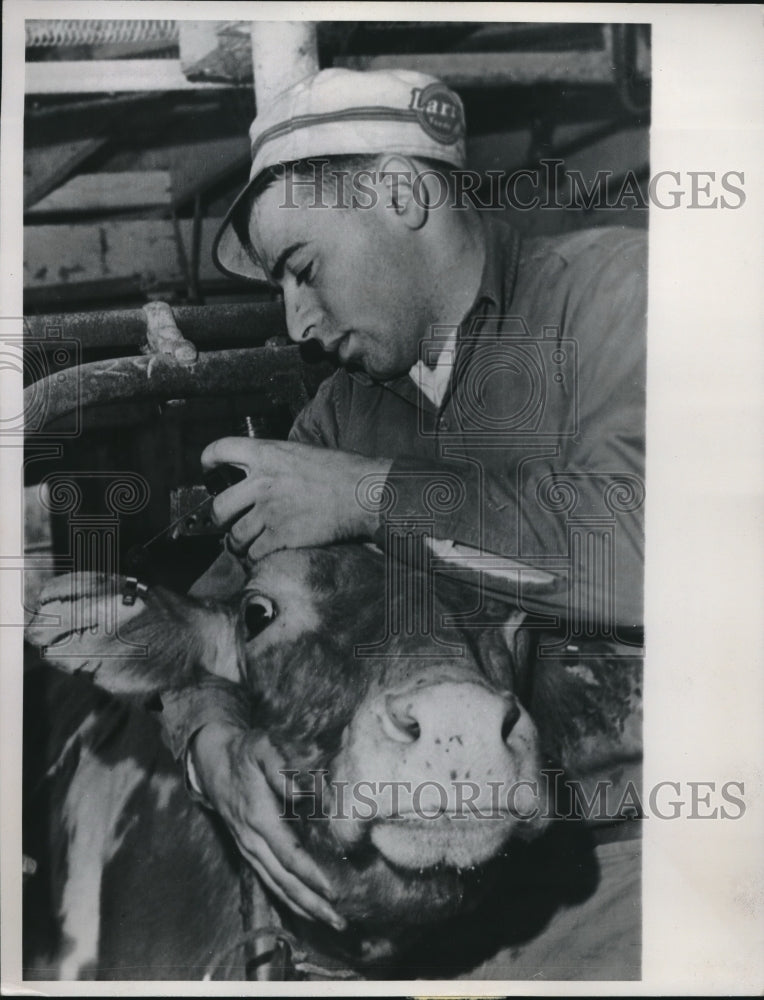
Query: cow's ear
x=161, y=641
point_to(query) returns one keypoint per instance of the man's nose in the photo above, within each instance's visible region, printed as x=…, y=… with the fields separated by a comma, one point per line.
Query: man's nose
x=302, y=316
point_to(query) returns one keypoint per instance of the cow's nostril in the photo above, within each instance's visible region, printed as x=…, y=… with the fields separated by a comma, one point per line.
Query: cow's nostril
x=398, y=722
x=510, y=719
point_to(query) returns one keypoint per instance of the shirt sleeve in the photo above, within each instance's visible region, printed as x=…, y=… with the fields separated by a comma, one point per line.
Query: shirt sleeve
x=578, y=512
x=318, y=422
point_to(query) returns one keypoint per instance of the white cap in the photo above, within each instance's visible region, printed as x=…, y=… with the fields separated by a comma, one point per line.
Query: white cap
x=342, y=112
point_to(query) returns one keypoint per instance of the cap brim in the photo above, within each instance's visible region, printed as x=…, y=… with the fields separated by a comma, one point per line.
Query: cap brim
x=228, y=254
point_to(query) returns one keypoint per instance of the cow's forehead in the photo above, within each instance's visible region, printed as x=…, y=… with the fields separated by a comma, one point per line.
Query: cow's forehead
x=320, y=575
x=290, y=564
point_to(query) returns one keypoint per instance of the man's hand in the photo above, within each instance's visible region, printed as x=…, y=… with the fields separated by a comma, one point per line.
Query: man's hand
x=294, y=495
x=231, y=765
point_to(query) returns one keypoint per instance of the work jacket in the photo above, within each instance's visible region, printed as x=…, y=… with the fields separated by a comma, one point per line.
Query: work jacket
x=536, y=452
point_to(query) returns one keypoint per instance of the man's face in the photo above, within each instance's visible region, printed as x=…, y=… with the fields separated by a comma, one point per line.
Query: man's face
x=351, y=278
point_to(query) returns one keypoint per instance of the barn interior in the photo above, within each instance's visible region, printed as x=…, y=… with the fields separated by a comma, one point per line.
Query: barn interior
x=135, y=144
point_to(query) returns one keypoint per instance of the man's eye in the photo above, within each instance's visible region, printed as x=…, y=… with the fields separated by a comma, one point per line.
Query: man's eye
x=305, y=276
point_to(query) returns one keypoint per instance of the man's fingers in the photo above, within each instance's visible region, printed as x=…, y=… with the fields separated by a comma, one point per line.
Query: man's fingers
x=240, y=451
x=299, y=864
x=234, y=501
x=265, y=543
x=246, y=530
x=295, y=892
x=263, y=821
x=288, y=853
x=272, y=765
x=251, y=811
x=274, y=888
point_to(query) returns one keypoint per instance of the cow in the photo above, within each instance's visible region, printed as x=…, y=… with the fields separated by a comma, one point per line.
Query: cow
x=365, y=680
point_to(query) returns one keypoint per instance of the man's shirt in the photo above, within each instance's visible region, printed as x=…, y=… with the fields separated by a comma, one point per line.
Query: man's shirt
x=538, y=436
x=432, y=379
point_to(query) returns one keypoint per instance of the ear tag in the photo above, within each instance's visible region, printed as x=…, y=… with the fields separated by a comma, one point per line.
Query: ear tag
x=132, y=590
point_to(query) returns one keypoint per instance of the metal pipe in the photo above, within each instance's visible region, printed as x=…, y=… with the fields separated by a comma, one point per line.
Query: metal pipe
x=249, y=323
x=498, y=69
x=276, y=372
x=283, y=53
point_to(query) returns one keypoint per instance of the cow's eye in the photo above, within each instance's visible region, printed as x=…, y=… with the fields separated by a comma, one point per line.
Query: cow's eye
x=258, y=615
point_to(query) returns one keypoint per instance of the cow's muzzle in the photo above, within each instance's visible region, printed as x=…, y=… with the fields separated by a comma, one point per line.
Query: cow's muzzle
x=441, y=771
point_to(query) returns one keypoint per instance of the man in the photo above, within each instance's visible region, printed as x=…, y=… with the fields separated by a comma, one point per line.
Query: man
x=510, y=374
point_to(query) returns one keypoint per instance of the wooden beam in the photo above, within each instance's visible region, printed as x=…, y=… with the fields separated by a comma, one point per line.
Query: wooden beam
x=200, y=165
x=108, y=192
x=46, y=167
x=109, y=76
x=623, y=151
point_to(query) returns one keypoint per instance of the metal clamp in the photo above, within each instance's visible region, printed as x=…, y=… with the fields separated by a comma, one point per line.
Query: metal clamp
x=163, y=335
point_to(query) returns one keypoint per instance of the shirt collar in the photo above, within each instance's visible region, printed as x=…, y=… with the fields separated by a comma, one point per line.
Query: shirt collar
x=502, y=252
x=432, y=379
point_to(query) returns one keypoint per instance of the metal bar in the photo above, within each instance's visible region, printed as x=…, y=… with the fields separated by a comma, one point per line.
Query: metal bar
x=274, y=372
x=251, y=323
x=493, y=69
x=87, y=107
x=106, y=76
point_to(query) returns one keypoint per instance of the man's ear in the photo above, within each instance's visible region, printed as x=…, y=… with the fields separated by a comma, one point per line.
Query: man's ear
x=403, y=193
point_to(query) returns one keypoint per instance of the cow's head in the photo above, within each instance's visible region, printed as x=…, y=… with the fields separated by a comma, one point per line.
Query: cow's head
x=431, y=760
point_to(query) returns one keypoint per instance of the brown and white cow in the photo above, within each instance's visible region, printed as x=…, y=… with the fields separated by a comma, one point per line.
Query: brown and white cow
x=450, y=717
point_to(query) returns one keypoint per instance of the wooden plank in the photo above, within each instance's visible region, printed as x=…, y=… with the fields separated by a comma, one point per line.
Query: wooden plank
x=108, y=192
x=99, y=76
x=46, y=167
x=66, y=120
x=194, y=164
x=205, y=164
x=142, y=252
x=584, y=146
x=627, y=150
x=499, y=150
